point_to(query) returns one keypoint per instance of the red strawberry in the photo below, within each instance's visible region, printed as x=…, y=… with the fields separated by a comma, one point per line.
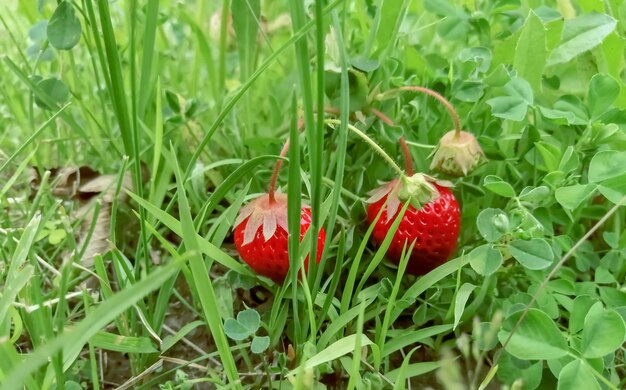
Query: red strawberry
x=431, y=220
x=261, y=236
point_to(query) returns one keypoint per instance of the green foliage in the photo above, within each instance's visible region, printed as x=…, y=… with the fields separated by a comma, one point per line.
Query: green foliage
x=64, y=28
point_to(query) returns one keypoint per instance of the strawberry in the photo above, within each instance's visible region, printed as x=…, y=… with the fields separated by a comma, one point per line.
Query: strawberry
x=432, y=220
x=261, y=236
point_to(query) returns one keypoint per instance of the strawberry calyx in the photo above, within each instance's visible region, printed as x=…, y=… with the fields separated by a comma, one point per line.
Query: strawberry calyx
x=268, y=212
x=457, y=154
x=418, y=189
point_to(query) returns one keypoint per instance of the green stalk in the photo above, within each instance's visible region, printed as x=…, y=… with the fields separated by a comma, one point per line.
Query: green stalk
x=372, y=144
x=298, y=17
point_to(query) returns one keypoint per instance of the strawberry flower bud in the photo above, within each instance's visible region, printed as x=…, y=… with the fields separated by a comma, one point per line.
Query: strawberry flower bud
x=457, y=154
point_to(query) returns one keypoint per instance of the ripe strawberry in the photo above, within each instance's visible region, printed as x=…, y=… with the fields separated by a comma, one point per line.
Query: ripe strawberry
x=431, y=220
x=261, y=235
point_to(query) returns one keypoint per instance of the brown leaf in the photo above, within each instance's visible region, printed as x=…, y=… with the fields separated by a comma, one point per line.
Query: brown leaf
x=65, y=181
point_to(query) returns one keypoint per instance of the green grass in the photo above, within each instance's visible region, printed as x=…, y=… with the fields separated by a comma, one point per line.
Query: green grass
x=125, y=159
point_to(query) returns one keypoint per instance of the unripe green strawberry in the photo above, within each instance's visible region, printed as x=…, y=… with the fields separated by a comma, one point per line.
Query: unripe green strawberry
x=432, y=220
x=261, y=236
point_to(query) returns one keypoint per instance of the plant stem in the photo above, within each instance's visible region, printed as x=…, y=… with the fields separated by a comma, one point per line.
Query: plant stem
x=382, y=117
x=371, y=143
x=451, y=110
x=279, y=163
x=408, y=161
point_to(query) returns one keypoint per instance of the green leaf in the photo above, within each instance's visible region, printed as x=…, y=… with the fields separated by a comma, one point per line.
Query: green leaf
x=566, y=116
x=531, y=52
x=64, y=28
x=259, y=344
x=534, y=194
x=460, y=300
x=512, y=369
x=581, y=34
x=508, y=107
x=492, y=224
x=236, y=330
x=607, y=169
x=607, y=164
x=249, y=318
x=520, y=88
x=485, y=259
x=603, y=90
x=551, y=155
x=571, y=197
x=246, y=325
x=498, y=186
x=334, y=351
x=389, y=18
x=570, y=160
x=604, y=332
x=534, y=254
x=124, y=344
x=577, y=375
x=536, y=338
x=57, y=92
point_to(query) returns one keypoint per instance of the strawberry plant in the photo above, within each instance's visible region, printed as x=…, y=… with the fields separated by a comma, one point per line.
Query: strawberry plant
x=150, y=239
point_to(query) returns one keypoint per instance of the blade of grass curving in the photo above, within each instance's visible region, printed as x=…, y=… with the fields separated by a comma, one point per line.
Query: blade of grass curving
x=348, y=290
x=340, y=323
x=33, y=136
x=158, y=141
x=412, y=370
x=146, y=86
x=93, y=322
x=128, y=124
x=381, y=336
x=244, y=87
x=204, y=59
x=413, y=336
x=334, y=351
x=340, y=152
x=220, y=192
x=17, y=276
x=205, y=246
x=335, y=278
x=315, y=135
x=116, y=78
x=294, y=199
x=401, y=376
x=202, y=282
x=355, y=377
x=430, y=279
x=46, y=99
x=224, y=23
x=382, y=250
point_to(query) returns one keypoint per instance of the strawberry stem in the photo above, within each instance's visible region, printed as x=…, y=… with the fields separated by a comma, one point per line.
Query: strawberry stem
x=451, y=110
x=279, y=163
x=408, y=160
x=371, y=143
x=271, y=188
x=382, y=117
